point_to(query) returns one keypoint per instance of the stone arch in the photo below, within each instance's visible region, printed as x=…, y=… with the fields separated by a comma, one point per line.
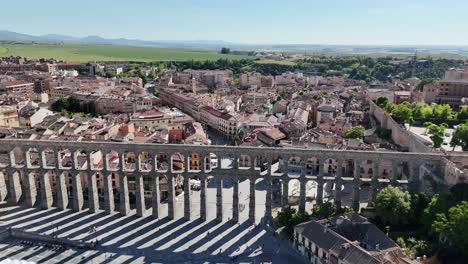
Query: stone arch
x=194, y=162
x=111, y=161
x=81, y=159
x=245, y=162
x=211, y=162
x=4, y=159
x=33, y=158
x=177, y=162
x=162, y=162
x=295, y=164
x=385, y=169
x=65, y=158
x=330, y=166
x=96, y=160
x=17, y=156
x=145, y=161
x=130, y=160
x=227, y=161
x=312, y=166
x=366, y=169
x=49, y=158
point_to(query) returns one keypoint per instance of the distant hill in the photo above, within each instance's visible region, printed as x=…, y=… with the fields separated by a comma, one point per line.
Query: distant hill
x=190, y=44
x=446, y=51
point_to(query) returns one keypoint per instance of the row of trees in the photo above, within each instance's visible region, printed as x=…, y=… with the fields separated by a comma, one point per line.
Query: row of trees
x=436, y=113
x=72, y=105
x=438, y=222
x=370, y=69
x=433, y=117
x=353, y=67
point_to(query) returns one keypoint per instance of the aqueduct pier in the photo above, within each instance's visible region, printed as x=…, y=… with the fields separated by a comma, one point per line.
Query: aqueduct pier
x=40, y=172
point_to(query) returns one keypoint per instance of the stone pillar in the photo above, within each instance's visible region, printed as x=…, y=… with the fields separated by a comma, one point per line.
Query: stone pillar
x=219, y=198
x=375, y=179
x=124, y=197
x=31, y=189
x=140, y=195
x=187, y=200
x=203, y=199
x=252, y=200
x=285, y=183
x=62, y=194
x=170, y=196
x=268, y=200
x=14, y=188
x=338, y=183
x=414, y=181
x=77, y=202
x=3, y=187
x=156, y=200
x=285, y=194
x=109, y=205
x=46, y=191
x=320, y=184
x=93, y=195
x=302, y=194
x=394, y=171
x=235, y=200
x=356, y=183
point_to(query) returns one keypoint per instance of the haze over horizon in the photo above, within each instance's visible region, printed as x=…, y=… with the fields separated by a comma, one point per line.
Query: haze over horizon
x=337, y=22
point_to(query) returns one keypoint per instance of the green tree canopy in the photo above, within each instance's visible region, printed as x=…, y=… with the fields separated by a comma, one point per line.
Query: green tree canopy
x=382, y=101
x=393, y=205
x=460, y=137
x=402, y=112
x=225, y=50
x=463, y=113
x=437, y=133
x=355, y=132
x=425, y=82
x=454, y=226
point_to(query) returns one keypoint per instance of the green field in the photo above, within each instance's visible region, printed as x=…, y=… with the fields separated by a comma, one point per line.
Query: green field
x=85, y=53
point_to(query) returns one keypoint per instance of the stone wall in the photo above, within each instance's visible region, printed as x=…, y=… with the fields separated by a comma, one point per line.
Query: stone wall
x=400, y=135
x=452, y=174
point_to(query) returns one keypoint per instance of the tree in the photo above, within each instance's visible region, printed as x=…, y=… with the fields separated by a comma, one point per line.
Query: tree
x=402, y=112
x=422, y=111
x=454, y=226
x=288, y=217
x=59, y=105
x=392, y=205
x=442, y=112
x=73, y=104
x=225, y=50
x=355, y=132
x=463, y=113
x=460, y=137
x=424, y=82
x=382, y=101
x=239, y=137
x=437, y=133
x=111, y=74
x=326, y=210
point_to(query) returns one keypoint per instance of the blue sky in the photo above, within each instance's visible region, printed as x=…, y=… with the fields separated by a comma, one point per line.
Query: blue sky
x=391, y=22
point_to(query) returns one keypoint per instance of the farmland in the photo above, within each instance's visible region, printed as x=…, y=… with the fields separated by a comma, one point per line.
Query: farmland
x=85, y=53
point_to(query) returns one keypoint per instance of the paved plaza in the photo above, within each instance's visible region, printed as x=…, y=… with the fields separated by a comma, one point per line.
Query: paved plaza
x=131, y=239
